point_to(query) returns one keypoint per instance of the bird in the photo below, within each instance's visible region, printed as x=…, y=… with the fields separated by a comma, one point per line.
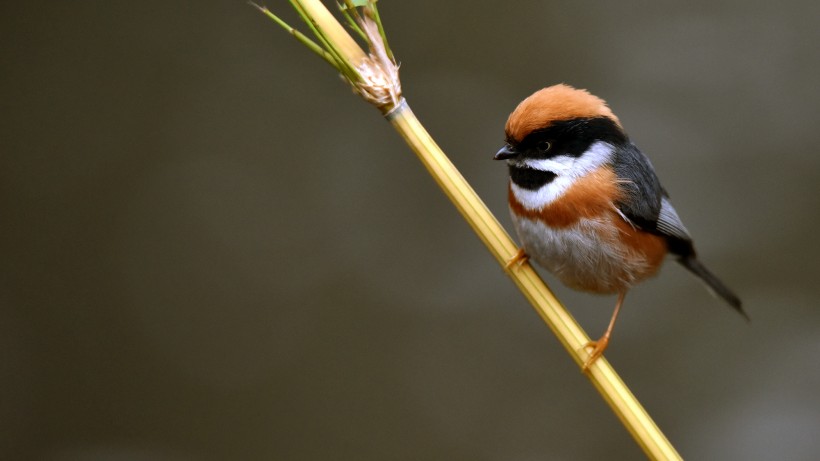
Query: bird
x=587, y=204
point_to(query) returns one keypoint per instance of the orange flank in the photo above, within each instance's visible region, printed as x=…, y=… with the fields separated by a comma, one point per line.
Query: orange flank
x=651, y=246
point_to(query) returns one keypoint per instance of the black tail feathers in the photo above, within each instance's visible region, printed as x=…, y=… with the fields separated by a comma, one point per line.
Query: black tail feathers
x=712, y=282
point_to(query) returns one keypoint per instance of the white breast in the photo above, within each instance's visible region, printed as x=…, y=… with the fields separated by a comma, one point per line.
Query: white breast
x=586, y=256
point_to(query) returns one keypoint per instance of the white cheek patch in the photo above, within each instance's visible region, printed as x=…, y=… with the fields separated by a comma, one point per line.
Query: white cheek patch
x=567, y=170
x=539, y=198
x=561, y=164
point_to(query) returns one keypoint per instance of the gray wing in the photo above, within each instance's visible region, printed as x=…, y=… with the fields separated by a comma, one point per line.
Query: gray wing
x=669, y=223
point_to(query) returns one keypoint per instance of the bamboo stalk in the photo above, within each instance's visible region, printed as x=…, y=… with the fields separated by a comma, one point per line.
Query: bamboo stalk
x=631, y=413
x=563, y=325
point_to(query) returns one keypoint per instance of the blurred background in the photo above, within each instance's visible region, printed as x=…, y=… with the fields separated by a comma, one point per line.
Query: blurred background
x=211, y=249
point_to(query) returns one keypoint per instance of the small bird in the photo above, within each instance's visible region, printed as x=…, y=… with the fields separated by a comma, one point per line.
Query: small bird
x=586, y=203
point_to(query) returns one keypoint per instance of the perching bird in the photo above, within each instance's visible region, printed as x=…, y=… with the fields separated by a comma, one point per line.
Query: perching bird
x=586, y=203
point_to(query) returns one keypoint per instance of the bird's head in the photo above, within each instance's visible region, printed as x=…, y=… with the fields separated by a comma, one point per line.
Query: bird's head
x=557, y=125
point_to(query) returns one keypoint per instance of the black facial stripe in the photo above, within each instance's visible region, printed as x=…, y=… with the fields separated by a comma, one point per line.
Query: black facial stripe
x=529, y=178
x=571, y=137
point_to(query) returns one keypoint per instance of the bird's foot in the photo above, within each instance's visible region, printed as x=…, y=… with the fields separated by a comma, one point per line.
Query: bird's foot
x=517, y=260
x=598, y=348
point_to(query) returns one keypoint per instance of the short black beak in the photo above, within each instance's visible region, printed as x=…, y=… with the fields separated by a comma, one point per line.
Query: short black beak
x=506, y=152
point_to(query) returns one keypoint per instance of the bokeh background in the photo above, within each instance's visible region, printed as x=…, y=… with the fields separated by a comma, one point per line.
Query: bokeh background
x=212, y=250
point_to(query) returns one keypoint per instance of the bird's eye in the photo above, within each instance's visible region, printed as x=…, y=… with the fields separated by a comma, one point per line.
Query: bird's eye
x=543, y=146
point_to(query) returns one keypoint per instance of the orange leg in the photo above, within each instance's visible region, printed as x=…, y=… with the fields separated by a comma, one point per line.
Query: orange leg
x=517, y=260
x=598, y=347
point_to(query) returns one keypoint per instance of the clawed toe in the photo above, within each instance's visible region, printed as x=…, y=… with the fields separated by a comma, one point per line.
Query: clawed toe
x=517, y=260
x=598, y=348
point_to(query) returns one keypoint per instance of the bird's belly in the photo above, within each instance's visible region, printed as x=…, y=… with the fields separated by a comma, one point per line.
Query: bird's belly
x=588, y=255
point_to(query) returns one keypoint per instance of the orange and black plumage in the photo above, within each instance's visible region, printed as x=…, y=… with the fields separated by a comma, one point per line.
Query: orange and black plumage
x=586, y=202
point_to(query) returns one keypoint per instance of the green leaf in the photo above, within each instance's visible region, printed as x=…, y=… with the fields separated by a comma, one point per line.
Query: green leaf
x=358, y=3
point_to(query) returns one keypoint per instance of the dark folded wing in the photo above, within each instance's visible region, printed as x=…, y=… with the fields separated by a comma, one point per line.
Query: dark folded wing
x=646, y=204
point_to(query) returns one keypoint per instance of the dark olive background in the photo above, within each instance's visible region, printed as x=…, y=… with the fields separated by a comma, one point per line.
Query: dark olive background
x=212, y=250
